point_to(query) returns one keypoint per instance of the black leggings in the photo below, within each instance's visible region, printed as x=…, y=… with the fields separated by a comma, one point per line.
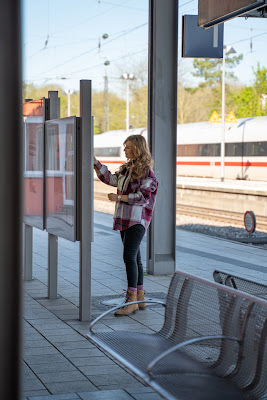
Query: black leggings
x=131, y=239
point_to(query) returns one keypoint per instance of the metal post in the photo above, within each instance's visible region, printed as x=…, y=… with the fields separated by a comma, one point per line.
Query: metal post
x=86, y=199
x=10, y=199
x=162, y=125
x=68, y=103
x=28, y=235
x=28, y=246
x=223, y=116
x=106, y=105
x=54, y=113
x=52, y=266
x=127, y=105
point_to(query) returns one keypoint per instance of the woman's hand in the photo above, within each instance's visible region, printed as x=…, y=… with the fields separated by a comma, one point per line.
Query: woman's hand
x=112, y=196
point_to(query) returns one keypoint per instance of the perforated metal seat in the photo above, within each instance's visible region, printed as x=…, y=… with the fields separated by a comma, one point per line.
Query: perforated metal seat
x=239, y=283
x=216, y=340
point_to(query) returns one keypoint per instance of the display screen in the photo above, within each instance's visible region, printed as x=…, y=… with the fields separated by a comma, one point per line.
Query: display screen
x=33, y=132
x=60, y=182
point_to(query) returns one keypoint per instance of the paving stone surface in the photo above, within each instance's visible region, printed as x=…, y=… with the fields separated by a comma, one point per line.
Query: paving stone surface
x=58, y=362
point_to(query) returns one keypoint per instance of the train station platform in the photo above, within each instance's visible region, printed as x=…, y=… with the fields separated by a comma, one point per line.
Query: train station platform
x=228, y=185
x=236, y=196
x=58, y=362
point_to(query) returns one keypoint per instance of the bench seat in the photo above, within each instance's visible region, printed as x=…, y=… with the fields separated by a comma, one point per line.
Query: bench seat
x=212, y=345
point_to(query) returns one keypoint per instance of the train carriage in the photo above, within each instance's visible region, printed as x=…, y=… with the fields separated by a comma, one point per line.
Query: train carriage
x=199, y=149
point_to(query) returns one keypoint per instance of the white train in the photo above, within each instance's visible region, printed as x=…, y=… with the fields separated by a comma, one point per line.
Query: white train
x=199, y=149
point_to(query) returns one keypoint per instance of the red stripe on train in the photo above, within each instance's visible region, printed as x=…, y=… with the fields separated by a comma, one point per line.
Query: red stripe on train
x=193, y=163
x=242, y=164
x=112, y=162
x=208, y=163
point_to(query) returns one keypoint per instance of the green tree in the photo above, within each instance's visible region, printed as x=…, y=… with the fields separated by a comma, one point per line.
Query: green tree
x=211, y=69
x=138, y=107
x=194, y=104
x=117, y=112
x=29, y=91
x=250, y=101
x=260, y=81
x=245, y=102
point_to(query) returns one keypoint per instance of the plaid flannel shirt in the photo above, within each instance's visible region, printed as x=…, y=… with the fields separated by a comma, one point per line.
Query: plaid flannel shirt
x=141, y=197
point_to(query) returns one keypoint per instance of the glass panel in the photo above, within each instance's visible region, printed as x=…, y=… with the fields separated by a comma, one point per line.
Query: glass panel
x=61, y=177
x=33, y=130
x=198, y=150
x=252, y=149
x=107, y=151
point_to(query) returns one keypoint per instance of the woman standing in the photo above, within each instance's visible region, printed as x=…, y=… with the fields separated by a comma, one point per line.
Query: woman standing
x=135, y=199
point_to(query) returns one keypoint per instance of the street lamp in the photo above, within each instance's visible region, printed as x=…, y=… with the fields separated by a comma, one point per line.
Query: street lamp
x=106, y=104
x=69, y=92
x=127, y=78
x=226, y=50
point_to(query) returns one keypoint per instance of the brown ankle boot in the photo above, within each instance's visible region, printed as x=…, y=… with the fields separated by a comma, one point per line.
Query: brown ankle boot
x=141, y=296
x=128, y=310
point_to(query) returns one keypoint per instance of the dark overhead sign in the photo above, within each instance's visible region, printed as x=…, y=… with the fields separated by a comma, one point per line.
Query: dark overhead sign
x=201, y=43
x=213, y=12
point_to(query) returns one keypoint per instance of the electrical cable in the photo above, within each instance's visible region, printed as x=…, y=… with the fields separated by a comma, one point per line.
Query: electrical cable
x=95, y=48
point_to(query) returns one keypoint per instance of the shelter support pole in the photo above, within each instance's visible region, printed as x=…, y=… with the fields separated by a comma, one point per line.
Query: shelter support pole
x=28, y=249
x=85, y=179
x=54, y=113
x=162, y=125
x=10, y=199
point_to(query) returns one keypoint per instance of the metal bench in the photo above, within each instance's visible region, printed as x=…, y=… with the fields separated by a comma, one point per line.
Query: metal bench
x=245, y=285
x=212, y=345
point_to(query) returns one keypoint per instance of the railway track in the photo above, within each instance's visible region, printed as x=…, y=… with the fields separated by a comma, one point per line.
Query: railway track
x=227, y=217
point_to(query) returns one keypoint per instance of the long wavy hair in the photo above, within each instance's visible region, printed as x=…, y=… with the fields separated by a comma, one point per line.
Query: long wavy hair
x=142, y=162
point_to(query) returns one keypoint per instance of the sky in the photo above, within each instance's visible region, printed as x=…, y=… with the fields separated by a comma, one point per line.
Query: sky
x=63, y=42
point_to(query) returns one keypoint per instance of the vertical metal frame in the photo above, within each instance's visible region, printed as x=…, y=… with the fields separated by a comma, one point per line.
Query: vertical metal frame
x=54, y=113
x=10, y=199
x=162, y=125
x=86, y=198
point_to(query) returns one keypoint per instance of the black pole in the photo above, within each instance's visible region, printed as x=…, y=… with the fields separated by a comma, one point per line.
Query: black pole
x=10, y=197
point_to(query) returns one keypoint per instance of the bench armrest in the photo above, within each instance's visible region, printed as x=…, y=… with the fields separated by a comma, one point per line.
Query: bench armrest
x=120, y=306
x=185, y=343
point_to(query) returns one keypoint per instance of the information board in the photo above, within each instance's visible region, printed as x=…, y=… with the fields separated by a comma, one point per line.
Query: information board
x=33, y=132
x=198, y=42
x=61, y=177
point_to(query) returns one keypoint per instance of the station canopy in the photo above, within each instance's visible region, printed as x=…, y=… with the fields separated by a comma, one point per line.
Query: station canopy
x=213, y=12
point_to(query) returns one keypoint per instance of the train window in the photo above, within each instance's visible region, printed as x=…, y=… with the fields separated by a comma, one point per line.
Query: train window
x=107, y=151
x=252, y=149
x=198, y=150
x=204, y=149
x=255, y=149
x=233, y=149
x=262, y=149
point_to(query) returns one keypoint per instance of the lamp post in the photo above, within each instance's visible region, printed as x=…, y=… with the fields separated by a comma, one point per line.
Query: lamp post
x=226, y=50
x=106, y=103
x=128, y=78
x=69, y=92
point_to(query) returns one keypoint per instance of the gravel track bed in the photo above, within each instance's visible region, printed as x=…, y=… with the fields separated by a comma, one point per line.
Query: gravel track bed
x=218, y=229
